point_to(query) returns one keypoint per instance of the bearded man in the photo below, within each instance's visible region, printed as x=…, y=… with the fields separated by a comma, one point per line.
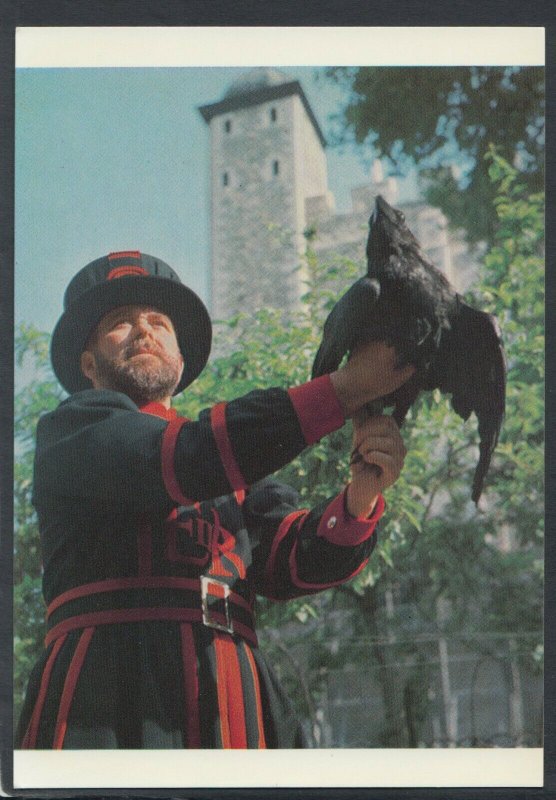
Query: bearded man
x=158, y=532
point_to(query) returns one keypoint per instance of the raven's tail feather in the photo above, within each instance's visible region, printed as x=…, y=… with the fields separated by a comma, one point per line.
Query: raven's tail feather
x=485, y=375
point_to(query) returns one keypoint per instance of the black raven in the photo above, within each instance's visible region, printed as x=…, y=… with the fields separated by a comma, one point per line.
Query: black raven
x=406, y=302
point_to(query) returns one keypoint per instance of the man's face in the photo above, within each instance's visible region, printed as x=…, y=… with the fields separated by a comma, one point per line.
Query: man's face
x=134, y=350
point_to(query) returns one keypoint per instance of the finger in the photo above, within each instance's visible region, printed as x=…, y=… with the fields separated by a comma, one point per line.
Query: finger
x=392, y=460
x=381, y=424
x=359, y=464
x=376, y=426
x=368, y=455
x=366, y=473
x=361, y=418
x=361, y=469
x=385, y=444
x=390, y=467
x=382, y=440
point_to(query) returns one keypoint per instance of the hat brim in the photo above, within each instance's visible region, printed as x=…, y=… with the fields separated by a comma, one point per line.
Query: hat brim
x=187, y=312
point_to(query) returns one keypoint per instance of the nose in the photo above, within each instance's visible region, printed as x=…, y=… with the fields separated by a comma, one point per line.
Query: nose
x=142, y=324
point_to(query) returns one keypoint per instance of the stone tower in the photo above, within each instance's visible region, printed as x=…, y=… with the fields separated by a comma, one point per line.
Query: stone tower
x=267, y=160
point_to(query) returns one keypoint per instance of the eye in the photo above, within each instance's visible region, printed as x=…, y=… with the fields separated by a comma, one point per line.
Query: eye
x=115, y=324
x=118, y=324
x=161, y=322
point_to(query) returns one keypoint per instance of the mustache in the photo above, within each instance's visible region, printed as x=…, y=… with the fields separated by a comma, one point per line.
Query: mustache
x=142, y=345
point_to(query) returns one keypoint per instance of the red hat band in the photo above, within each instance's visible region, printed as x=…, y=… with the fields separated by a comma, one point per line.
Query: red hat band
x=119, y=272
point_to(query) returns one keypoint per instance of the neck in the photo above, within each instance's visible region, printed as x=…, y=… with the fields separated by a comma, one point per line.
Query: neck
x=99, y=384
x=158, y=410
x=166, y=402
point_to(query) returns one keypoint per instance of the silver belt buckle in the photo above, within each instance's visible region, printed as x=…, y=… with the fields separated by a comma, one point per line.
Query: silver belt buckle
x=206, y=582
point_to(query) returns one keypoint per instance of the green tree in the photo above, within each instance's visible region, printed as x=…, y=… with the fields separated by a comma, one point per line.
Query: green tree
x=446, y=117
x=484, y=567
x=435, y=550
x=435, y=547
x=41, y=394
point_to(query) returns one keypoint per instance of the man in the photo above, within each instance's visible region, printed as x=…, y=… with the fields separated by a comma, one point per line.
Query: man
x=157, y=532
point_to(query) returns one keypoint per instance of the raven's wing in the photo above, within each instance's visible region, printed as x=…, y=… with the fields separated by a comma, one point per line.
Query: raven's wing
x=471, y=365
x=345, y=325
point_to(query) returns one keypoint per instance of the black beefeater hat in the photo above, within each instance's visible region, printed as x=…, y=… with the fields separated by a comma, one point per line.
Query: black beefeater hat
x=121, y=279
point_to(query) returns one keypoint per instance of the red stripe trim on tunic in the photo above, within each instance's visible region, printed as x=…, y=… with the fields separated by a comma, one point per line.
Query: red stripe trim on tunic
x=149, y=582
x=236, y=702
x=190, y=687
x=258, y=702
x=225, y=541
x=301, y=584
x=218, y=568
x=169, y=441
x=128, y=615
x=283, y=530
x=69, y=687
x=172, y=552
x=30, y=738
x=238, y=563
x=231, y=703
x=220, y=431
x=222, y=692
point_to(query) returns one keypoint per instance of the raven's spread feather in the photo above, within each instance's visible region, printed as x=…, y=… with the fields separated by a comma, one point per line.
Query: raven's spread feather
x=406, y=302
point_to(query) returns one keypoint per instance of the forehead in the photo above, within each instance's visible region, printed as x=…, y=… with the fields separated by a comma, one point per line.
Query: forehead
x=131, y=312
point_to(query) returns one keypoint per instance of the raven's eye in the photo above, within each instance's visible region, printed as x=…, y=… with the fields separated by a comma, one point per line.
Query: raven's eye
x=401, y=216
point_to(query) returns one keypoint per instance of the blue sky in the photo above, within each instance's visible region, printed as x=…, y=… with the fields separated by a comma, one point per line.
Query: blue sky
x=118, y=158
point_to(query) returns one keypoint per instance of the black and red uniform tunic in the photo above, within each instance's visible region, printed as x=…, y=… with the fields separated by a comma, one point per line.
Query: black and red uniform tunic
x=157, y=534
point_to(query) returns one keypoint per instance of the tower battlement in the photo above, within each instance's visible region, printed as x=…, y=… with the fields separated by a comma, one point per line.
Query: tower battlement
x=269, y=184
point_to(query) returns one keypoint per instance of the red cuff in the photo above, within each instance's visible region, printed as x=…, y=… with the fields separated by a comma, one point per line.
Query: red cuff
x=169, y=441
x=317, y=407
x=283, y=530
x=339, y=527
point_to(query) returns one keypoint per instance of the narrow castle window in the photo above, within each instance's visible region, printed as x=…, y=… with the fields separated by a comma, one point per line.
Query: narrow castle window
x=225, y=179
x=275, y=167
x=228, y=125
x=273, y=115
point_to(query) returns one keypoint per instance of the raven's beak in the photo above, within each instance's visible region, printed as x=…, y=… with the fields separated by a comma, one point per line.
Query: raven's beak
x=382, y=207
x=378, y=209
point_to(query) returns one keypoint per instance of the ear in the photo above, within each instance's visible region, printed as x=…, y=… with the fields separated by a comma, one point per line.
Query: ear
x=88, y=365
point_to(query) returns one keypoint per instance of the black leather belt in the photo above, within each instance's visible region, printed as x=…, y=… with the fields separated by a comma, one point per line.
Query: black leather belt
x=208, y=600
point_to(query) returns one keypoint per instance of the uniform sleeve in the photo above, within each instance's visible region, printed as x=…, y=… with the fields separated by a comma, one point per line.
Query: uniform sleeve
x=299, y=551
x=97, y=446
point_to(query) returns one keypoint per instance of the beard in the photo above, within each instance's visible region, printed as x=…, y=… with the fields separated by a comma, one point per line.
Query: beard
x=143, y=380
